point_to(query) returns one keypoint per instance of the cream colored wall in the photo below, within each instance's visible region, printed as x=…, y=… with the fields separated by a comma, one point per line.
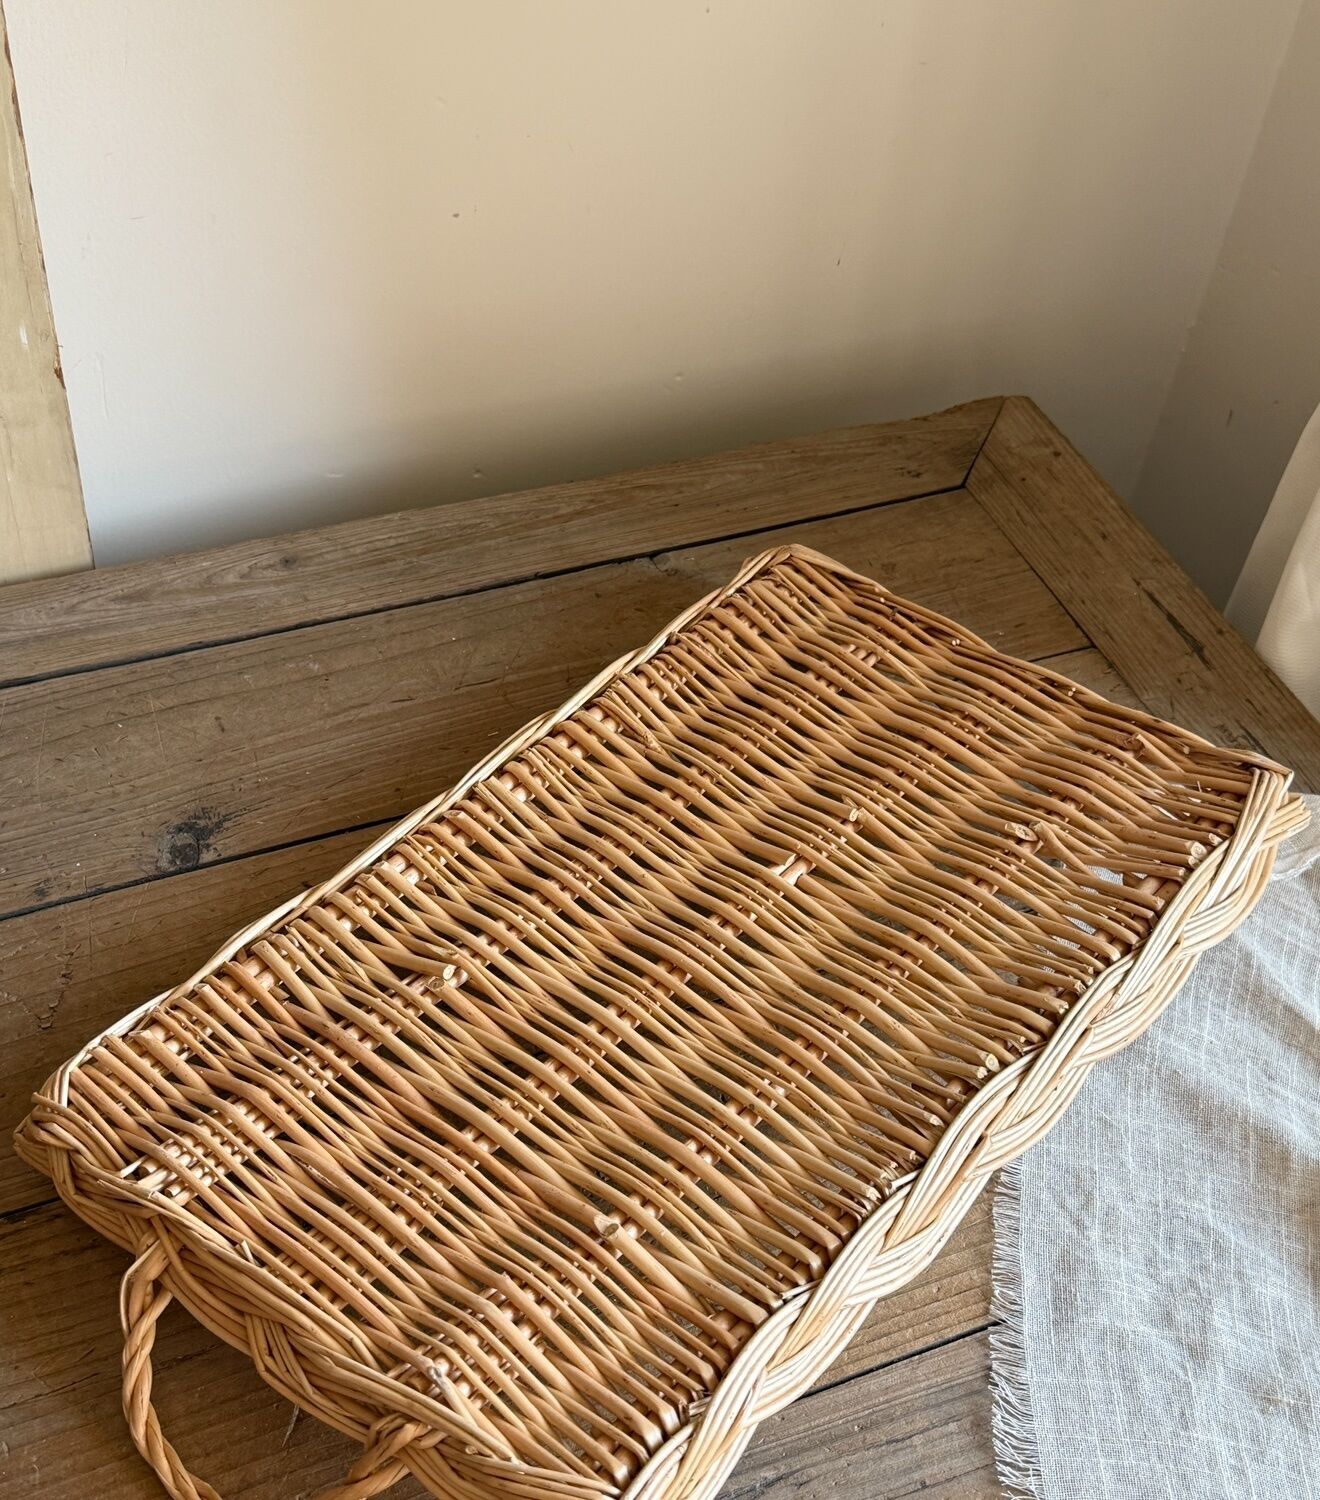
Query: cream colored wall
x=1250, y=377
x=319, y=258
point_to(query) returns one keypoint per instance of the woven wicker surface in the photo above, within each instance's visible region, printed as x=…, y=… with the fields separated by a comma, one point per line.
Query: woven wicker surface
x=575, y=1126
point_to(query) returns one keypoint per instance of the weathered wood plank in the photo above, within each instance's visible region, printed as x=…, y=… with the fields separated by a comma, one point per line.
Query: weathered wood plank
x=62, y=1436
x=68, y=971
x=919, y=1427
x=135, y=772
x=950, y=1298
x=231, y=593
x=1132, y=600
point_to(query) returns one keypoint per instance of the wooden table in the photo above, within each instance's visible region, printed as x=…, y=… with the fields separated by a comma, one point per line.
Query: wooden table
x=186, y=742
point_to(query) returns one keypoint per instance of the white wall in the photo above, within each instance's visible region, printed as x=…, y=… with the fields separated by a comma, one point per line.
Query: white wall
x=1250, y=376
x=319, y=258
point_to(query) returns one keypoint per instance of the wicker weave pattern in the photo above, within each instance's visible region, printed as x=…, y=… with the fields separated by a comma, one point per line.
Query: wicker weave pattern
x=576, y=1126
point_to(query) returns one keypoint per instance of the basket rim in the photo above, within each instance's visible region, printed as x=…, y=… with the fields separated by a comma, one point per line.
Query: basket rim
x=1078, y=1041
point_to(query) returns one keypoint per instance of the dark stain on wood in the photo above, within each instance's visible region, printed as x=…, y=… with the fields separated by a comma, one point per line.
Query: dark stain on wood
x=45, y=1017
x=185, y=844
x=1193, y=645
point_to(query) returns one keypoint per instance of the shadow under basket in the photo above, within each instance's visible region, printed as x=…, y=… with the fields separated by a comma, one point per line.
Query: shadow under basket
x=576, y=1126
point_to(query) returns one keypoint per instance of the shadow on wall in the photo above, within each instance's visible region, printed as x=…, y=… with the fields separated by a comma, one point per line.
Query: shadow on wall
x=537, y=447
x=1250, y=377
x=310, y=262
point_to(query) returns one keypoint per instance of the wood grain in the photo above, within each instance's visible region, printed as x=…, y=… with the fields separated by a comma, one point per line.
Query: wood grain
x=62, y=1436
x=231, y=593
x=1130, y=598
x=43, y=528
x=131, y=773
x=919, y=1427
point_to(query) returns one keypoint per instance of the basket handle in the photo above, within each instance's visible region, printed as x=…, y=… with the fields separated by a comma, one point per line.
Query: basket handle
x=142, y=1299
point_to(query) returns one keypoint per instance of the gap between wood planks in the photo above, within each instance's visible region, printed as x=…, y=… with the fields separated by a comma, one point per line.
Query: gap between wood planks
x=1059, y=661
x=410, y=557
x=141, y=771
x=512, y=581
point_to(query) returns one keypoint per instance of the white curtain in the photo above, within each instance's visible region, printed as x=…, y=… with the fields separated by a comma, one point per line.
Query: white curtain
x=1277, y=598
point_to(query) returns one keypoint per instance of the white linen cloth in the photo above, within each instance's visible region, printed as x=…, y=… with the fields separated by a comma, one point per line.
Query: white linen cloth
x=1276, y=601
x=1157, y=1255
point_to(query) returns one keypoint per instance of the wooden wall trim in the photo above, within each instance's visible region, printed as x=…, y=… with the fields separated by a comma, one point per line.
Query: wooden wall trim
x=43, y=526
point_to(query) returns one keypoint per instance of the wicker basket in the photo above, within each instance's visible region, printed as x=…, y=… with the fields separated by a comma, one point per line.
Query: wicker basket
x=576, y=1125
